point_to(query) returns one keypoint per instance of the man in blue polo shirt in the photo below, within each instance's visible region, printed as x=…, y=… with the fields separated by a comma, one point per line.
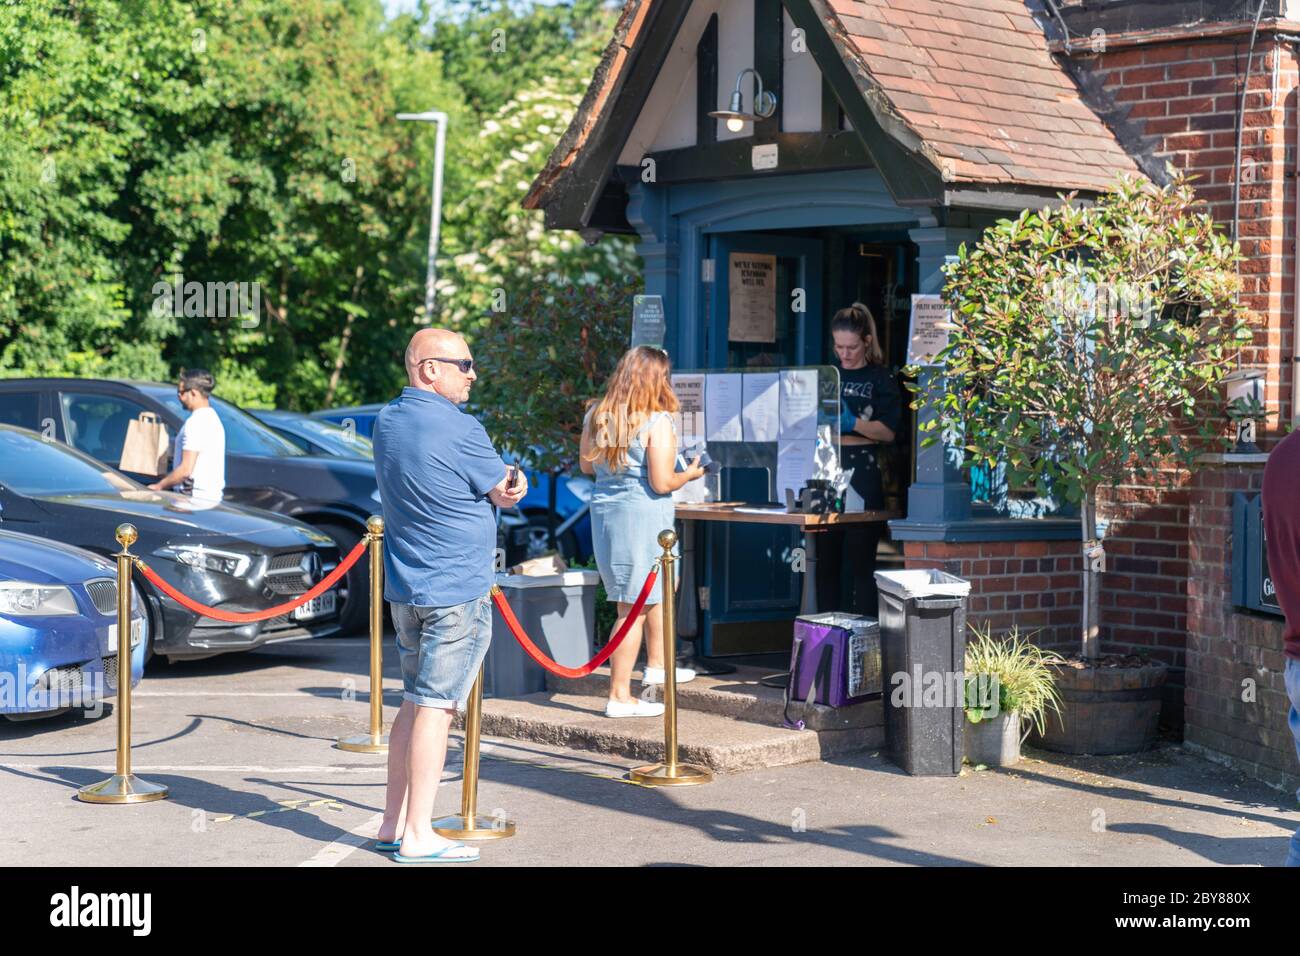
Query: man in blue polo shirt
x=438, y=479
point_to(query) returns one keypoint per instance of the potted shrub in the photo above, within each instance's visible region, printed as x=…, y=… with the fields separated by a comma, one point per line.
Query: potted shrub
x=1087, y=347
x=1010, y=689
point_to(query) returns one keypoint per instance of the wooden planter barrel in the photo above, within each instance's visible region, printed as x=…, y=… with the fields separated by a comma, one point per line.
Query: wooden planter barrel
x=1105, y=710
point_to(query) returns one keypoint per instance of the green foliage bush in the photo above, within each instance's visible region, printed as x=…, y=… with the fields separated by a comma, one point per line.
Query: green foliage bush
x=256, y=141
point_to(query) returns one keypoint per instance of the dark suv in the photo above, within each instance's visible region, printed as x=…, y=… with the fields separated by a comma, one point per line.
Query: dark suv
x=263, y=470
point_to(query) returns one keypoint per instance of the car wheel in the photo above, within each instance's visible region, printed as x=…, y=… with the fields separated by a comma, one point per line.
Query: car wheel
x=354, y=616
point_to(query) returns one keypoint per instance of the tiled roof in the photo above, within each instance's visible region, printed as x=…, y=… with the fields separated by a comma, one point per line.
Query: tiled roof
x=974, y=84
x=969, y=85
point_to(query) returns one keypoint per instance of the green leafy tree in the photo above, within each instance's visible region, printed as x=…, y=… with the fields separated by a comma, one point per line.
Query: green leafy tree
x=256, y=141
x=218, y=141
x=546, y=361
x=1087, y=346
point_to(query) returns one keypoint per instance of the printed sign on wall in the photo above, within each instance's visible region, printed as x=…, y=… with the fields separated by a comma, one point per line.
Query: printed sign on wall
x=648, y=324
x=929, y=333
x=751, y=285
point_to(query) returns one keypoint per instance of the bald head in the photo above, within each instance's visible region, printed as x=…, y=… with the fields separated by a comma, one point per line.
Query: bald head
x=445, y=378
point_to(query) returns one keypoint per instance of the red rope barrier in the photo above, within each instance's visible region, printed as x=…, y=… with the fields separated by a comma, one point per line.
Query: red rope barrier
x=248, y=617
x=532, y=650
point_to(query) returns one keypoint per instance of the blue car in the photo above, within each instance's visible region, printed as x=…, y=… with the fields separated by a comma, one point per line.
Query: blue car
x=359, y=418
x=58, y=628
x=573, y=520
x=317, y=436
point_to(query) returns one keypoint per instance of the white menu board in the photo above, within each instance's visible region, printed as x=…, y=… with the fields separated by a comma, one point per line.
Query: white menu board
x=689, y=390
x=762, y=403
x=723, y=400
x=794, y=466
x=798, y=404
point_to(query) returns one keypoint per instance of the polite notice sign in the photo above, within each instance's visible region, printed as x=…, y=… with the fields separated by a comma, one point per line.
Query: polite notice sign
x=648, y=324
x=928, y=335
x=751, y=288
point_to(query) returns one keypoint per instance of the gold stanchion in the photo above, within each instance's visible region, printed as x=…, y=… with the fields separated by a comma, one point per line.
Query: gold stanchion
x=376, y=741
x=468, y=825
x=123, y=786
x=670, y=773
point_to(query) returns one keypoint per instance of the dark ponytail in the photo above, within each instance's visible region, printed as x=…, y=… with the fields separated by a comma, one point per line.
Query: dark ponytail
x=858, y=319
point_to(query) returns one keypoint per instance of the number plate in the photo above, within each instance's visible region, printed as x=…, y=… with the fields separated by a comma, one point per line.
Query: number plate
x=137, y=634
x=316, y=607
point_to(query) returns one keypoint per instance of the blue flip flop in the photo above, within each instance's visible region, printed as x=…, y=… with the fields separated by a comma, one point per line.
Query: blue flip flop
x=438, y=857
x=383, y=847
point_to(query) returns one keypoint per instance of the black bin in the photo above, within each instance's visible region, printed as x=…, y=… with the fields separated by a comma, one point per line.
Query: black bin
x=923, y=657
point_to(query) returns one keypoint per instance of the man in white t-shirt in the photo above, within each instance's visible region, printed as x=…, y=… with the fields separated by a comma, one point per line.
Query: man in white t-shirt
x=199, y=462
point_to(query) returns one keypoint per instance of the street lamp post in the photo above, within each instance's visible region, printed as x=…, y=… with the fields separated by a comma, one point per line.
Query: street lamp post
x=435, y=214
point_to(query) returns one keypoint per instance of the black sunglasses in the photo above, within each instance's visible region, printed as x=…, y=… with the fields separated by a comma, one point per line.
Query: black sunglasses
x=465, y=365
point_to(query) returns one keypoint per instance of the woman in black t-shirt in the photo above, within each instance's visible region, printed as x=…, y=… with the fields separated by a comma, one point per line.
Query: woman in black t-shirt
x=870, y=409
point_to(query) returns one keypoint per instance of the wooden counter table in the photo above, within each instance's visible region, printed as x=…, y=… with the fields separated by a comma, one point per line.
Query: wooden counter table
x=739, y=512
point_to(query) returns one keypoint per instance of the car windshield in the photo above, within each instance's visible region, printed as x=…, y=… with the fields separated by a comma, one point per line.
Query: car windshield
x=245, y=435
x=30, y=465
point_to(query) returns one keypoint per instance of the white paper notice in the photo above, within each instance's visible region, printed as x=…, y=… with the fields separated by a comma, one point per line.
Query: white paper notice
x=798, y=404
x=761, y=415
x=689, y=390
x=722, y=403
x=794, y=466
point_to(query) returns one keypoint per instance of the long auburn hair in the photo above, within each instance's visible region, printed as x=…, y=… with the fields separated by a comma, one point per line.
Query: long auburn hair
x=858, y=318
x=639, y=387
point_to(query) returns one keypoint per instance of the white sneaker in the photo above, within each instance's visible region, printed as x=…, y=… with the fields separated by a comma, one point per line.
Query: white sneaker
x=633, y=708
x=655, y=675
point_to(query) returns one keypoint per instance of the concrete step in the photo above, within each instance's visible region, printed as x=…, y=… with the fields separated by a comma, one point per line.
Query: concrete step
x=740, y=696
x=728, y=723
x=721, y=743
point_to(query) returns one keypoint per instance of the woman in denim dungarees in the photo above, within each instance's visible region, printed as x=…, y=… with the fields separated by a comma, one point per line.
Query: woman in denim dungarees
x=629, y=442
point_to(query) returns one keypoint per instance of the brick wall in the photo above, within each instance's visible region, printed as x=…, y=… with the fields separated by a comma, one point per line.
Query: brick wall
x=1227, y=648
x=1144, y=589
x=1178, y=101
x=1033, y=585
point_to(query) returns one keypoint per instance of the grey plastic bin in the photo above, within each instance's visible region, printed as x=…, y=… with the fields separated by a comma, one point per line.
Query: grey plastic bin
x=558, y=612
x=923, y=639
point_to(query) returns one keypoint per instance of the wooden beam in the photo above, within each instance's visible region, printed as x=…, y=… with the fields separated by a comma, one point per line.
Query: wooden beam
x=832, y=115
x=769, y=44
x=731, y=159
x=574, y=204
x=706, y=84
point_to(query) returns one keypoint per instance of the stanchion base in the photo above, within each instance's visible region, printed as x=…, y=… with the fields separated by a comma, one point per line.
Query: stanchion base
x=364, y=744
x=122, y=789
x=682, y=775
x=457, y=827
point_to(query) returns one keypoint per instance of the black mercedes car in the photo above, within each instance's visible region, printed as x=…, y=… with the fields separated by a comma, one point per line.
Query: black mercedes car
x=225, y=556
x=263, y=469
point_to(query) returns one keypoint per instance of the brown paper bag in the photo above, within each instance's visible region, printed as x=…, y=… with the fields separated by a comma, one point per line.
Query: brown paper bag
x=539, y=567
x=145, y=449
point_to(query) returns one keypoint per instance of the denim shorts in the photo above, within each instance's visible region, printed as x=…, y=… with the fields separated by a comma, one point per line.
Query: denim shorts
x=441, y=650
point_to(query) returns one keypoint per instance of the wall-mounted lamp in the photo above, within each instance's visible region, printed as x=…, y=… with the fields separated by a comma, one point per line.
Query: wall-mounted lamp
x=764, y=102
x=1245, y=406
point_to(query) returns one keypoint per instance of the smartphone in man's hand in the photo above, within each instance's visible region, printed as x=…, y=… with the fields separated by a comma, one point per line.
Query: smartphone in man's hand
x=513, y=475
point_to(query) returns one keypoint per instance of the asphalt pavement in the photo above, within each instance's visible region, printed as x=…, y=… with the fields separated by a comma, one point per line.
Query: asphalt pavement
x=245, y=742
